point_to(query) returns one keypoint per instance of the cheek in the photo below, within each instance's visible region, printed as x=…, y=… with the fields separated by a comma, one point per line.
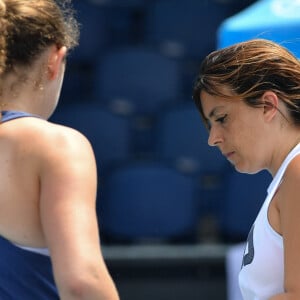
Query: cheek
x=244, y=137
x=248, y=126
x=250, y=146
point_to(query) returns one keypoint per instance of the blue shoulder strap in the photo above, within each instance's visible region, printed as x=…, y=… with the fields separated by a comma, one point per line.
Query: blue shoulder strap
x=8, y=115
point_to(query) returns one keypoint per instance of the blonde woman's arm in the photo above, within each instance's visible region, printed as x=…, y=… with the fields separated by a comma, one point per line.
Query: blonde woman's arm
x=67, y=207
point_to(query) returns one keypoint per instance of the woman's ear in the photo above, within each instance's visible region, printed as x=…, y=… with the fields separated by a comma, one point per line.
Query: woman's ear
x=55, y=61
x=270, y=105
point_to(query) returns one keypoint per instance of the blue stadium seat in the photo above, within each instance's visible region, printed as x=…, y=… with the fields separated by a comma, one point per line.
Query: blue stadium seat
x=136, y=80
x=146, y=201
x=184, y=28
x=94, y=40
x=182, y=139
x=94, y=31
x=109, y=134
x=243, y=197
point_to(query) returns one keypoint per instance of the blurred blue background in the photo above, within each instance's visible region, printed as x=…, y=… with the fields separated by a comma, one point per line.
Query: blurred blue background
x=170, y=208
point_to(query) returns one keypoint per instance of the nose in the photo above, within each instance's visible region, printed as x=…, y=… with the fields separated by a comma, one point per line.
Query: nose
x=214, y=137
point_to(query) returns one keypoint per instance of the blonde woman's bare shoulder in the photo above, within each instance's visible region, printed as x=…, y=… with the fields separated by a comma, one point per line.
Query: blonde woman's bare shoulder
x=64, y=139
x=44, y=137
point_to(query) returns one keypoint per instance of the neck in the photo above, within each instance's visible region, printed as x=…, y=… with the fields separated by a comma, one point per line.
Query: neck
x=282, y=151
x=12, y=106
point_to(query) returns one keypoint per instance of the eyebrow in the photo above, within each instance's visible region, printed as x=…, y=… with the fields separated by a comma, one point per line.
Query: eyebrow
x=214, y=111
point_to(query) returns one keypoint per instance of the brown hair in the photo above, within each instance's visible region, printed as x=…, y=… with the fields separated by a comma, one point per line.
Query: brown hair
x=249, y=69
x=29, y=26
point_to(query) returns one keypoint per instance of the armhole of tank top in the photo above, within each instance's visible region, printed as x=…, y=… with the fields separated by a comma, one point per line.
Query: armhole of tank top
x=273, y=233
x=275, y=236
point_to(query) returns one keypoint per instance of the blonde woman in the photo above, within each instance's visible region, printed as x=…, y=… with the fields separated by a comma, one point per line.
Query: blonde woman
x=49, y=240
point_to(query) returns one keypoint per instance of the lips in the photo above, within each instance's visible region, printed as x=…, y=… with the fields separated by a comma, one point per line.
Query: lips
x=228, y=155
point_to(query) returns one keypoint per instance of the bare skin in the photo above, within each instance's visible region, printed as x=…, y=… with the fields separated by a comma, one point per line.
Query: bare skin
x=48, y=184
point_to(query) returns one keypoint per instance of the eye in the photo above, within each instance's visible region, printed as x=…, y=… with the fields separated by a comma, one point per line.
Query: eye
x=221, y=119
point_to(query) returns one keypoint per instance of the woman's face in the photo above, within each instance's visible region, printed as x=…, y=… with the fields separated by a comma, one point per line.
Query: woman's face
x=237, y=130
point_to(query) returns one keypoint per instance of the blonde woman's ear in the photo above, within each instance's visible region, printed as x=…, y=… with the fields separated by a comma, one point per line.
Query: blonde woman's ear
x=55, y=61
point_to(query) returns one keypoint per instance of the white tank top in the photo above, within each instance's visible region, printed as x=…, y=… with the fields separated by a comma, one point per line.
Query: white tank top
x=262, y=272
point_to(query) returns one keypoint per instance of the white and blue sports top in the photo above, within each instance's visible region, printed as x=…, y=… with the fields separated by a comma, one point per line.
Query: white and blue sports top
x=25, y=273
x=262, y=272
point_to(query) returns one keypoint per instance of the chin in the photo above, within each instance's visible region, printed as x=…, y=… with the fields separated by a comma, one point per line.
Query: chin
x=247, y=170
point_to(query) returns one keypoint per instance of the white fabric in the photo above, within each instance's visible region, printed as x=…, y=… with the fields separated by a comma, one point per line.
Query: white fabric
x=43, y=251
x=262, y=274
x=234, y=257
